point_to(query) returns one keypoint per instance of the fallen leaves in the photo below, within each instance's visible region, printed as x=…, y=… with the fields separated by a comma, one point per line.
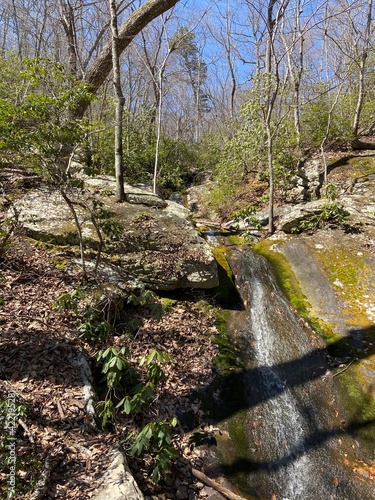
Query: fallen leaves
x=39, y=349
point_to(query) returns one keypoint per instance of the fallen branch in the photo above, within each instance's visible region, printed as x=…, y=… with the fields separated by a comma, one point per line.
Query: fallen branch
x=344, y=369
x=27, y=431
x=213, y=484
x=359, y=144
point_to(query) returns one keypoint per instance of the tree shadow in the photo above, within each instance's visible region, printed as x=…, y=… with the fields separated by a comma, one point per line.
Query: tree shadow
x=313, y=441
x=243, y=390
x=359, y=344
x=38, y=355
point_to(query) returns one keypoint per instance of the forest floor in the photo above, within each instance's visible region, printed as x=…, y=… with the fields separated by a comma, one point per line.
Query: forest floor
x=59, y=453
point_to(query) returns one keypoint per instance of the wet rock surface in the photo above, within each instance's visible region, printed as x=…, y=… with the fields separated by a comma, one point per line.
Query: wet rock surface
x=335, y=268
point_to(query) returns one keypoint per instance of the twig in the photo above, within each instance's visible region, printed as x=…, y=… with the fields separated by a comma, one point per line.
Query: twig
x=27, y=431
x=344, y=369
x=61, y=411
x=218, y=487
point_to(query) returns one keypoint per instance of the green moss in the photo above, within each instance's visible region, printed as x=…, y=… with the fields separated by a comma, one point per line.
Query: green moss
x=350, y=274
x=220, y=253
x=226, y=293
x=362, y=165
x=60, y=263
x=284, y=275
x=142, y=217
x=233, y=448
x=290, y=285
x=238, y=239
x=226, y=361
x=359, y=404
x=352, y=166
x=202, y=229
x=324, y=330
x=168, y=303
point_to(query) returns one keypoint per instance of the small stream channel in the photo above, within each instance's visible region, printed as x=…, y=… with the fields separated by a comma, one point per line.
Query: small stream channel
x=297, y=445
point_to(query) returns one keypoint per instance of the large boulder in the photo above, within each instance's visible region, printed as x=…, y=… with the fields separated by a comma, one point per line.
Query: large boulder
x=140, y=194
x=308, y=181
x=292, y=219
x=156, y=246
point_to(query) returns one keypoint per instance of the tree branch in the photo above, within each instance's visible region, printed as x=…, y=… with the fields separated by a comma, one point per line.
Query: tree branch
x=102, y=66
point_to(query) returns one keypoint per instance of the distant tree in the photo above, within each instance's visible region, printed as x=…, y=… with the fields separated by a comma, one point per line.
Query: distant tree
x=195, y=69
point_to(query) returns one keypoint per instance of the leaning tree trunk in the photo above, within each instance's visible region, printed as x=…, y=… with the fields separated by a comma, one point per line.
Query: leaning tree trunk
x=102, y=66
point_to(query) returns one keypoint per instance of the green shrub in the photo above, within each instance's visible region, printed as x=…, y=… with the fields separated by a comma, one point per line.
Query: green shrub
x=155, y=440
x=332, y=213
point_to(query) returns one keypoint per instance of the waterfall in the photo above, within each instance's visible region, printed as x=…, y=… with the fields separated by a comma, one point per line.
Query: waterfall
x=293, y=430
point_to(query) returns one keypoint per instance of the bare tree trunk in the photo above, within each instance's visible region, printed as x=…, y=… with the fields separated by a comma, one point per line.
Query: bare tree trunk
x=102, y=66
x=334, y=104
x=70, y=204
x=17, y=30
x=362, y=69
x=158, y=125
x=120, y=102
x=228, y=50
x=272, y=70
x=68, y=22
x=295, y=70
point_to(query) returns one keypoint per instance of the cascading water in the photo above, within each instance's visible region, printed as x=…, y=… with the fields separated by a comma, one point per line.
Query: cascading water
x=294, y=433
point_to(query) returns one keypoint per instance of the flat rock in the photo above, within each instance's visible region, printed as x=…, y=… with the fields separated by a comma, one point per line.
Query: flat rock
x=296, y=214
x=157, y=246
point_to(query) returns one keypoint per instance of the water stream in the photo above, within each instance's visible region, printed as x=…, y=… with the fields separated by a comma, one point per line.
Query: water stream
x=297, y=441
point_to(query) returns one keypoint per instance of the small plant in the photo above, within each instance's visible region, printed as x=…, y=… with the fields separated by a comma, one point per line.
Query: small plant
x=247, y=216
x=156, y=441
x=147, y=299
x=332, y=192
x=7, y=229
x=116, y=367
x=152, y=361
x=144, y=393
x=104, y=218
x=69, y=301
x=122, y=381
x=91, y=325
x=332, y=213
x=106, y=411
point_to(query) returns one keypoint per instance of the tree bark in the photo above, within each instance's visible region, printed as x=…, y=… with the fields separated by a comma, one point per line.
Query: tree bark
x=362, y=70
x=102, y=66
x=362, y=145
x=68, y=22
x=120, y=102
